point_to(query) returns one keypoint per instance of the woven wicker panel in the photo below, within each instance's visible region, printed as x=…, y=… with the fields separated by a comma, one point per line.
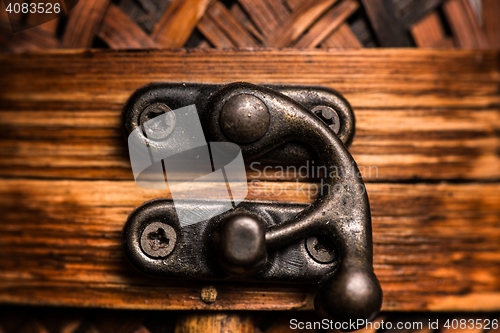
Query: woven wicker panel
x=145, y=24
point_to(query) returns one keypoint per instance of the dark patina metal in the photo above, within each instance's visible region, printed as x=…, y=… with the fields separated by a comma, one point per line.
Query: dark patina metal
x=329, y=117
x=329, y=241
x=240, y=242
x=158, y=240
x=244, y=118
x=158, y=130
x=321, y=249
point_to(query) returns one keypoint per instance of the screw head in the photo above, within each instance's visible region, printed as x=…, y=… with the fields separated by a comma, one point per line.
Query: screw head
x=158, y=240
x=320, y=250
x=329, y=117
x=245, y=118
x=157, y=121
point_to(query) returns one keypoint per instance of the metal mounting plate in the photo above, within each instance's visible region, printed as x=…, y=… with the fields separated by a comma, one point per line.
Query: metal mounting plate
x=193, y=255
x=177, y=95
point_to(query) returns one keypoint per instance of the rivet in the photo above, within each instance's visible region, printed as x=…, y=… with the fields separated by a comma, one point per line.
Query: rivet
x=208, y=294
x=245, y=118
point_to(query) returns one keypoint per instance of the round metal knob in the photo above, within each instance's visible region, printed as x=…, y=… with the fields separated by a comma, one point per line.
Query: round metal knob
x=245, y=118
x=241, y=245
x=351, y=294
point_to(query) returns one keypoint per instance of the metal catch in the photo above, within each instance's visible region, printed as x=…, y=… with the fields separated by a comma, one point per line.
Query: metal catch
x=329, y=241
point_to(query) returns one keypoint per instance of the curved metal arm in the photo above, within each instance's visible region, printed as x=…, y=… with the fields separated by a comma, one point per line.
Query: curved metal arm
x=340, y=212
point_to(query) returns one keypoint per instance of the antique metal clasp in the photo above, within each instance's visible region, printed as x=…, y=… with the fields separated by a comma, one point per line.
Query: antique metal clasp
x=329, y=241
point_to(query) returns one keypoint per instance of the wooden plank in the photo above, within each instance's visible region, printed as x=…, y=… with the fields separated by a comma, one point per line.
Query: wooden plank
x=300, y=20
x=421, y=115
x=327, y=24
x=214, y=34
x=50, y=27
x=426, y=237
x=178, y=22
x=13, y=18
x=137, y=14
x=370, y=79
x=245, y=21
x=293, y=4
x=429, y=33
x=465, y=28
x=120, y=32
x=221, y=16
x=389, y=145
x=278, y=9
x=215, y=322
x=380, y=12
x=491, y=13
x=342, y=38
x=83, y=23
x=32, y=39
x=475, y=25
x=429, y=115
x=460, y=25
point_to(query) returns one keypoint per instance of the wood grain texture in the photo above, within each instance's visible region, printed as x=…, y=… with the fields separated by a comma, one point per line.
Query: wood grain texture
x=50, y=27
x=278, y=9
x=426, y=236
x=215, y=322
x=342, y=38
x=178, y=22
x=428, y=120
x=466, y=30
x=240, y=15
x=420, y=115
x=491, y=13
x=261, y=15
x=120, y=32
x=475, y=25
x=429, y=33
x=293, y=4
x=327, y=24
x=83, y=23
x=229, y=26
x=213, y=33
x=297, y=23
x=32, y=39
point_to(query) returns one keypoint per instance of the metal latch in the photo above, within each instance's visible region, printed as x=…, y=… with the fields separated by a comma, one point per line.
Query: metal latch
x=328, y=242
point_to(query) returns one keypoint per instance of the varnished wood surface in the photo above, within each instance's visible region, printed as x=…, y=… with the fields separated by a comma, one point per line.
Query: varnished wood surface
x=215, y=322
x=428, y=120
x=425, y=115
